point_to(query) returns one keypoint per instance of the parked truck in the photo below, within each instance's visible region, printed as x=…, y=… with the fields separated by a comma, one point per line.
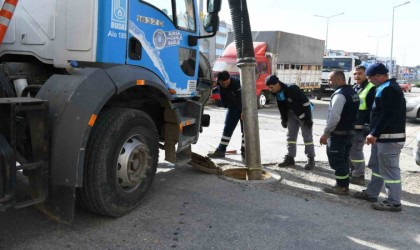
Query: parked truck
x=295, y=59
x=89, y=92
x=330, y=63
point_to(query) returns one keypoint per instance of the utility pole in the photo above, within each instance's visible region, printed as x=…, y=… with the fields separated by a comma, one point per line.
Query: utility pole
x=392, y=36
x=328, y=21
x=377, y=43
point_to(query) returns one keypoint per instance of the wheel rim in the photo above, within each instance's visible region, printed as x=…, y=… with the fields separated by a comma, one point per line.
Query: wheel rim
x=263, y=100
x=133, y=162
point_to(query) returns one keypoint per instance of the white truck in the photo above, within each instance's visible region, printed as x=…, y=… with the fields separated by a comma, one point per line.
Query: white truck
x=330, y=63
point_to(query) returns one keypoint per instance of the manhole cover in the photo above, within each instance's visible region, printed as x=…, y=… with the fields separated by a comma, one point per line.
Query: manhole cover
x=241, y=174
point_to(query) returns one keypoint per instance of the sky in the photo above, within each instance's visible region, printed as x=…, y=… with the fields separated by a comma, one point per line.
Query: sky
x=365, y=26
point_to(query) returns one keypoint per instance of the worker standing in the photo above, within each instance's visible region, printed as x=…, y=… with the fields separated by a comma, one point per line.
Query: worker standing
x=366, y=92
x=387, y=137
x=339, y=132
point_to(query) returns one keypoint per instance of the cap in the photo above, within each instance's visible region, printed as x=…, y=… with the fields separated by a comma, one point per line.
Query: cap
x=223, y=76
x=377, y=68
x=271, y=80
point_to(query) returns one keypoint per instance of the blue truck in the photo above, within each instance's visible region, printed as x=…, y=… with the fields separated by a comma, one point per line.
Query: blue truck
x=90, y=90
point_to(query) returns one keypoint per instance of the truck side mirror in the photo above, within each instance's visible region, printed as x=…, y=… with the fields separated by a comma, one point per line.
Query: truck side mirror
x=214, y=6
x=211, y=22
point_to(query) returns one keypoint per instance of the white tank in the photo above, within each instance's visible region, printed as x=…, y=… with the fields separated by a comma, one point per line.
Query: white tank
x=54, y=31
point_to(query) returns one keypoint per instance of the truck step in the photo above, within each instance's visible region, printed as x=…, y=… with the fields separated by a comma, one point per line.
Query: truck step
x=186, y=140
x=187, y=121
x=30, y=166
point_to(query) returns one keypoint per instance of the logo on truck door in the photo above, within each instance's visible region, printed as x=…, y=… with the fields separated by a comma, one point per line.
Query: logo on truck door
x=119, y=14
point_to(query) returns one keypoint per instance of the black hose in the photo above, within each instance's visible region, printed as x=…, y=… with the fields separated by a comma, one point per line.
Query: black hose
x=242, y=30
x=31, y=89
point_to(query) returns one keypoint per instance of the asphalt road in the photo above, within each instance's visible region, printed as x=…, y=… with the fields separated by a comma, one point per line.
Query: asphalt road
x=188, y=209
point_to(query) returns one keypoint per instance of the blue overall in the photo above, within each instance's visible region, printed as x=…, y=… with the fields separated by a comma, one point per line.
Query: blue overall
x=231, y=99
x=388, y=126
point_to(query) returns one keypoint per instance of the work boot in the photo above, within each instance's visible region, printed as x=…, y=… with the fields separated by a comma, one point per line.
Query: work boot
x=358, y=180
x=386, y=206
x=288, y=161
x=364, y=196
x=337, y=190
x=310, y=164
x=216, y=154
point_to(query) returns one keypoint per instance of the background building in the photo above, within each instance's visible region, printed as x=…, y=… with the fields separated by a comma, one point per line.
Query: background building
x=213, y=47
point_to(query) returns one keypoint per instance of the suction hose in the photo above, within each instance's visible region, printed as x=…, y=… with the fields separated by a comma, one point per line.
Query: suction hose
x=242, y=30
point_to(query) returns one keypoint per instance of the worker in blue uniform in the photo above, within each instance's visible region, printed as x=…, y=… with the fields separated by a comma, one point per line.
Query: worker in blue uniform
x=339, y=132
x=387, y=137
x=230, y=96
x=296, y=113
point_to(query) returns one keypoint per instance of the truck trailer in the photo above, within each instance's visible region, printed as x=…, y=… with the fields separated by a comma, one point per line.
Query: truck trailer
x=295, y=59
x=89, y=92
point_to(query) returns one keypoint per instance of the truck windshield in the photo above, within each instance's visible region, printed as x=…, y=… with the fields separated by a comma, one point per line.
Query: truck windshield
x=223, y=65
x=344, y=64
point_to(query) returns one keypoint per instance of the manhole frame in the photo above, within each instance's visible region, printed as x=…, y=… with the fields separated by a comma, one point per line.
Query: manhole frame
x=273, y=176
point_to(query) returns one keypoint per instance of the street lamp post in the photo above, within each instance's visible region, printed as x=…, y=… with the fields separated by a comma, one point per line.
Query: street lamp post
x=377, y=43
x=328, y=21
x=392, y=35
x=404, y=50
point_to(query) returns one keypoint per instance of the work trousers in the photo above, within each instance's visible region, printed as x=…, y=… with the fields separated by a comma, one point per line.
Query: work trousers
x=293, y=125
x=385, y=165
x=233, y=116
x=357, y=158
x=338, y=150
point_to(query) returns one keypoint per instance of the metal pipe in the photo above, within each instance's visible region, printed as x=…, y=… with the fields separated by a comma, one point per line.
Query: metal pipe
x=250, y=116
x=246, y=65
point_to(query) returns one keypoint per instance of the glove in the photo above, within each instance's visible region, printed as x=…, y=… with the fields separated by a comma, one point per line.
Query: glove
x=366, y=130
x=284, y=124
x=308, y=123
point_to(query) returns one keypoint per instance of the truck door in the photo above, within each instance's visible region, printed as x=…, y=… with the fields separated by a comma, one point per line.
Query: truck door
x=158, y=33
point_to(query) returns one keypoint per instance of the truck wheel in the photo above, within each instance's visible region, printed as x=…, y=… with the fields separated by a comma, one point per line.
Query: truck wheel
x=318, y=97
x=120, y=162
x=262, y=100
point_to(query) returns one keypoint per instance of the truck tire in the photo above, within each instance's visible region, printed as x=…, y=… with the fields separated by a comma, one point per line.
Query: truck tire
x=261, y=100
x=318, y=97
x=120, y=162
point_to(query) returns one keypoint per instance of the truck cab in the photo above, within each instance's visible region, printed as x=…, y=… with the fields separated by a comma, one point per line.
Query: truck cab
x=331, y=63
x=90, y=90
x=263, y=69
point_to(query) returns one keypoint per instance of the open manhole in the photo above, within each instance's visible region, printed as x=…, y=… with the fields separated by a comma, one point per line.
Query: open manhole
x=242, y=174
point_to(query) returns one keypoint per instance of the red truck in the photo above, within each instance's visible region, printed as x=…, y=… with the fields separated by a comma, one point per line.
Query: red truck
x=228, y=62
x=295, y=59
